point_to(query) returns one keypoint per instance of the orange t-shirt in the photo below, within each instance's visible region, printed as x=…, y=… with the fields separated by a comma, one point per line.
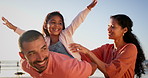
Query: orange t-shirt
x=60, y=66
x=120, y=64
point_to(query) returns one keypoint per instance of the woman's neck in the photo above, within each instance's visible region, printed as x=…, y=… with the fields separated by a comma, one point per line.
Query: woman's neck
x=54, y=39
x=118, y=44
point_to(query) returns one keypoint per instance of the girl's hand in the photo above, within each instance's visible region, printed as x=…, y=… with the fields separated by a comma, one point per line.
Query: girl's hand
x=8, y=24
x=78, y=48
x=90, y=6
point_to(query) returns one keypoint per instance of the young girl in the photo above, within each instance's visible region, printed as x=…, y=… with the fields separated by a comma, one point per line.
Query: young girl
x=123, y=58
x=57, y=36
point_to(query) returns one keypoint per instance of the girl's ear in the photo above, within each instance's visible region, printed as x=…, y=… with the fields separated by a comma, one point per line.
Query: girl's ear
x=22, y=55
x=45, y=27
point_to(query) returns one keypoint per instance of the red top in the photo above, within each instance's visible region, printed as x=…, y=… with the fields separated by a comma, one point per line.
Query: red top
x=60, y=66
x=120, y=63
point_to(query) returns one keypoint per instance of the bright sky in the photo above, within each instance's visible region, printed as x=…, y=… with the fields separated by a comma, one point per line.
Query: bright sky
x=30, y=14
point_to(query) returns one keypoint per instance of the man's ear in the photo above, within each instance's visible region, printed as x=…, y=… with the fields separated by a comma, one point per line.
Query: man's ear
x=22, y=55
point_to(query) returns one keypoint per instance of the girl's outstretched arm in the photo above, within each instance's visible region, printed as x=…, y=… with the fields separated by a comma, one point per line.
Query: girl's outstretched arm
x=11, y=26
x=90, y=6
x=8, y=24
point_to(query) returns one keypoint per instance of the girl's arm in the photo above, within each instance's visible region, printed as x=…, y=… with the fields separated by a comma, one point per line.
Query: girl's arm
x=79, y=19
x=11, y=26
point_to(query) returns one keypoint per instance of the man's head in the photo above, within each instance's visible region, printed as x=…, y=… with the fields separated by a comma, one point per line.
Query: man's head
x=34, y=49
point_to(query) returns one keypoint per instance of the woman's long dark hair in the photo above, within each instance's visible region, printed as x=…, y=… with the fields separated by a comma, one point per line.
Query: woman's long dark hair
x=129, y=37
x=48, y=17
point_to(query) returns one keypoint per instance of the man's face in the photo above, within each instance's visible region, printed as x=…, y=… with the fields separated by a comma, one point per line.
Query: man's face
x=36, y=53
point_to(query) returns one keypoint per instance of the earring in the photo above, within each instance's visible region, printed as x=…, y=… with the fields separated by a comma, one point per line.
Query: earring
x=123, y=34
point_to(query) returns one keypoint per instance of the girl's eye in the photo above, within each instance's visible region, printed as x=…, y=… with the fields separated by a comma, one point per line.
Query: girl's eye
x=52, y=23
x=60, y=23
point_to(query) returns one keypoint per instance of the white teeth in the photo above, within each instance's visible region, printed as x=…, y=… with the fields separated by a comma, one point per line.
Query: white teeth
x=41, y=63
x=56, y=29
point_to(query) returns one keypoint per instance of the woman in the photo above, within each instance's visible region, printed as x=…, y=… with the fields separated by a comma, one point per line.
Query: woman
x=123, y=58
x=58, y=37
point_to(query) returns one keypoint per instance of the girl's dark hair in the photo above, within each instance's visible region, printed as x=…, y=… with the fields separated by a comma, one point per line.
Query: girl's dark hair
x=129, y=37
x=48, y=17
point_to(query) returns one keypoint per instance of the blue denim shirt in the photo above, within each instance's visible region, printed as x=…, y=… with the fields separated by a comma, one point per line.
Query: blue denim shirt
x=59, y=48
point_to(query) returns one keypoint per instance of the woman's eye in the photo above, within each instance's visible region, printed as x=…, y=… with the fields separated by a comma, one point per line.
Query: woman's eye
x=112, y=26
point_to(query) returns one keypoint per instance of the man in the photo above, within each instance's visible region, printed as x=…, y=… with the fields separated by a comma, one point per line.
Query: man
x=41, y=63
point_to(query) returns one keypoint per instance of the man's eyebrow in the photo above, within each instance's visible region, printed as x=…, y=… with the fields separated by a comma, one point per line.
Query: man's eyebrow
x=43, y=46
x=30, y=51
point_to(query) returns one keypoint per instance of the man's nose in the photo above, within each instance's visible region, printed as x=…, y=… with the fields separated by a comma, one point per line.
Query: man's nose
x=40, y=57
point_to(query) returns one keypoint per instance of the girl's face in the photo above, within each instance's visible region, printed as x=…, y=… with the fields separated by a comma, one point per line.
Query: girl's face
x=55, y=25
x=115, y=31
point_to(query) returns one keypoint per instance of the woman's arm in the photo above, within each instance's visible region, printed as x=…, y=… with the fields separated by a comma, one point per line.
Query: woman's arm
x=119, y=66
x=100, y=65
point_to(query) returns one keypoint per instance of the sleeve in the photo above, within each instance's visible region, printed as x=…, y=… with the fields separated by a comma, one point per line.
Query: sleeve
x=76, y=22
x=24, y=65
x=122, y=62
x=19, y=31
x=79, y=69
x=98, y=53
x=85, y=57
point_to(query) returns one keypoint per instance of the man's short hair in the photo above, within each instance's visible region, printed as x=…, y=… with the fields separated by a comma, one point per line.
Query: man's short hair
x=28, y=36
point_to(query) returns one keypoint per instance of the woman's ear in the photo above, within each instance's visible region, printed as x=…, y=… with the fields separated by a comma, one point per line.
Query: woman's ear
x=125, y=30
x=22, y=55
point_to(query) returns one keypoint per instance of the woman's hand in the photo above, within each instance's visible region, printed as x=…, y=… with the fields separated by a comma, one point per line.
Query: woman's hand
x=78, y=48
x=8, y=24
x=90, y=6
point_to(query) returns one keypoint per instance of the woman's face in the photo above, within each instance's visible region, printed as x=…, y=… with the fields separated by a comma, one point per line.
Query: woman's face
x=55, y=25
x=115, y=31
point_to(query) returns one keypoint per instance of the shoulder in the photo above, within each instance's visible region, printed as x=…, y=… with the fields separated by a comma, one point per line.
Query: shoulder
x=129, y=49
x=130, y=46
x=59, y=59
x=76, y=67
x=68, y=61
x=72, y=66
x=25, y=65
